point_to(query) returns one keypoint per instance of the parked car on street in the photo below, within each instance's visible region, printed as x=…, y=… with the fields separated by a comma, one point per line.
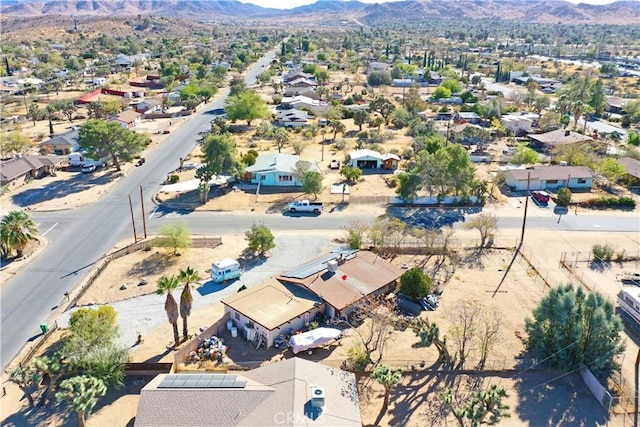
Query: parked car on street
x=305, y=206
x=88, y=168
x=335, y=164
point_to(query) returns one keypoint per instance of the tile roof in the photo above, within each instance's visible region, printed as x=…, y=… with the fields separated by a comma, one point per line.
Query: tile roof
x=361, y=274
x=271, y=303
x=275, y=394
x=551, y=173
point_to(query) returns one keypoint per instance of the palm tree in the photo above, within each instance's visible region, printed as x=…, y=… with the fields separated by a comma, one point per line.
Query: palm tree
x=168, y=284
x=17, y=229
x=187, y=276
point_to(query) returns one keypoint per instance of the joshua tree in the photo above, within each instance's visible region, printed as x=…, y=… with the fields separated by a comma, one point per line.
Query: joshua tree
x=81, y=394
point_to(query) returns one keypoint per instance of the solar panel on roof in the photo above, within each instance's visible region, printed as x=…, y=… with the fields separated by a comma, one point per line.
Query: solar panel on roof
x=202, y=381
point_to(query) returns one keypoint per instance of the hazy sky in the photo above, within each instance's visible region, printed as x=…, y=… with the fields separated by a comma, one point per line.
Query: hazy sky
x=287, y=4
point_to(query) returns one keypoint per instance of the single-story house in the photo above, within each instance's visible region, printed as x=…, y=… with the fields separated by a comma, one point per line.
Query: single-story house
x=20, y=170
x=518, y=123
x=272, y=308
x=369, y=159
x=275, y=169
x=302, y=82
x=549, y=140
x=377, y=67
x=127, y=119
x=65, y=143
x=299, y=102
x=294, y=75
x=148, y=106
x=468, y=117
x=343, y=278
x=290, y=392
x=292, y=118
x=616, y=105
x=550, y=177
x=632, y=166
x=309, y=92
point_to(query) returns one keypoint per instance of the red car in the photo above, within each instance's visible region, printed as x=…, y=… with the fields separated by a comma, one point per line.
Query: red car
x=541, y=196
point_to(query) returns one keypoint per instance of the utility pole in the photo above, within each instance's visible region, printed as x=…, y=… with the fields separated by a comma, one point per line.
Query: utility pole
x=144, y=220
x=637, y=393
x=133, y=221
x=526, y=204
x=323, y=134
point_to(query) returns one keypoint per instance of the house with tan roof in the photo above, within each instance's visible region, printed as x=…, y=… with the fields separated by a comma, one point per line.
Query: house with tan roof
x=65, y=143
x=127, y=119
x=272, y=308
x=550, y=140
x=291, y=392
x=632, y=167
x=550, y=178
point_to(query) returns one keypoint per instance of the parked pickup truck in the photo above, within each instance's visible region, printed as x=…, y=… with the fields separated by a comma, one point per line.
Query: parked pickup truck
x=305, y=206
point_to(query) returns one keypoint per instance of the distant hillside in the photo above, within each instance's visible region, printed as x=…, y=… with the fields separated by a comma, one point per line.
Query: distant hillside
x=543, y=11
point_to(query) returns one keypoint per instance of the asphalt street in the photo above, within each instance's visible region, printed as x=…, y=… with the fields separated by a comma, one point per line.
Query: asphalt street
x=79, y=238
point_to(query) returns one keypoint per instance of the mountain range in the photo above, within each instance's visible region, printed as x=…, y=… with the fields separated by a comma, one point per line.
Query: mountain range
x=543, y=11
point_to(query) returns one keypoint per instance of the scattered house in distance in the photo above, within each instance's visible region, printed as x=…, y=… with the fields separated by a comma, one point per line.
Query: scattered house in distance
x=632, y=166
x=275, y=169
x=467, y=117
x=309, y=92
x=148, y=106
x=519, y=123
x=302, y=82
x=549, y=140
x=21, y=169
x=295, y=75
x=290, y=392
x=127, y=119
x=292, y=118
x=62, y=144
x=369, y=159
x=343, y=278
x=272, y=309
x=377, y=66
x=616, y=105
x=299, y=102
x=550, y=178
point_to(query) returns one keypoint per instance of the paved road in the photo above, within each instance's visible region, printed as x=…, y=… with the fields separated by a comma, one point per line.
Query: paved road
x=79, y=238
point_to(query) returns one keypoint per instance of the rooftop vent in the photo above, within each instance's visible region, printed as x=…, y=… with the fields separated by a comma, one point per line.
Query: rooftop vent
x=332, y=266
x=317, y=396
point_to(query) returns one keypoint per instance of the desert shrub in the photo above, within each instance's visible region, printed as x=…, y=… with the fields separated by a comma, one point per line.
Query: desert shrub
x=174, y=178
x=610, y=202
x=602, y=252
x=620, y=256
x=358, y=359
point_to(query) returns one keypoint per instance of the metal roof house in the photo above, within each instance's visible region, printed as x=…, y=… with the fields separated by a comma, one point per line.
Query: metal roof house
x=549, y=140
x=369, y=159
x=290, y=392
x=549, y=177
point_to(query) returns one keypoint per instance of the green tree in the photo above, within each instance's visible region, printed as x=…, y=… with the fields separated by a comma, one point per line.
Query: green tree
x=351, y=173
x=260, y=239
x=477, y=406
x=280, y=136
x=322, y=76
x=247, y=105
x=573, y=329
x=360, y=117
x=204, y=175
x=452, y=85
x=564, y=197
x=16, y=142
x=525, y=156
x=312, y=183
x=485, y=223
x=598, y=99
x=415, y=283
x=460, y=170
x=93, y=326
x=68, y=108
x=401, y=118
x=81, y=394
x=174, y=235
x=54, y=368
x=337, y=126
x=102, y=139
x=17, y=230
x=429, y=334
x=388, y=378
x=611, y=170
x=167, y=284
x=379, y=78
x=442, y=92
x=220, y=154
x=97, y=110
x=34, y=112
x=408, y=186
x=413, y=101
x=187, y=276
x=383, y=106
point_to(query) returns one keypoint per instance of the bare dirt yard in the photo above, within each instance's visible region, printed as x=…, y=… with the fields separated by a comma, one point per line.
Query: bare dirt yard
x=536, y=396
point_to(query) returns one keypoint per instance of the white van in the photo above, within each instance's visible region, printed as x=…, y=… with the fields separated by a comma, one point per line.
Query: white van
x=225, y=269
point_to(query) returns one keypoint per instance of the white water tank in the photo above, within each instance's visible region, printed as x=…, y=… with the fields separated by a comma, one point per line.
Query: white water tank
x=332, y=266
x=234, y=332
x=229, y=325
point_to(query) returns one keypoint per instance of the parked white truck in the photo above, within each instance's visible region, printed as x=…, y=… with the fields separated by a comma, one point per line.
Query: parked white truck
x=305, y=206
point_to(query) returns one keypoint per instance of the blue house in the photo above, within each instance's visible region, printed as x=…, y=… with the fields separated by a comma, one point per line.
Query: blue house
x=276, y=169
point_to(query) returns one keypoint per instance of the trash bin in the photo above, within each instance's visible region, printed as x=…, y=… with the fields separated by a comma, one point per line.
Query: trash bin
x=44, y=327
x=234, y=332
